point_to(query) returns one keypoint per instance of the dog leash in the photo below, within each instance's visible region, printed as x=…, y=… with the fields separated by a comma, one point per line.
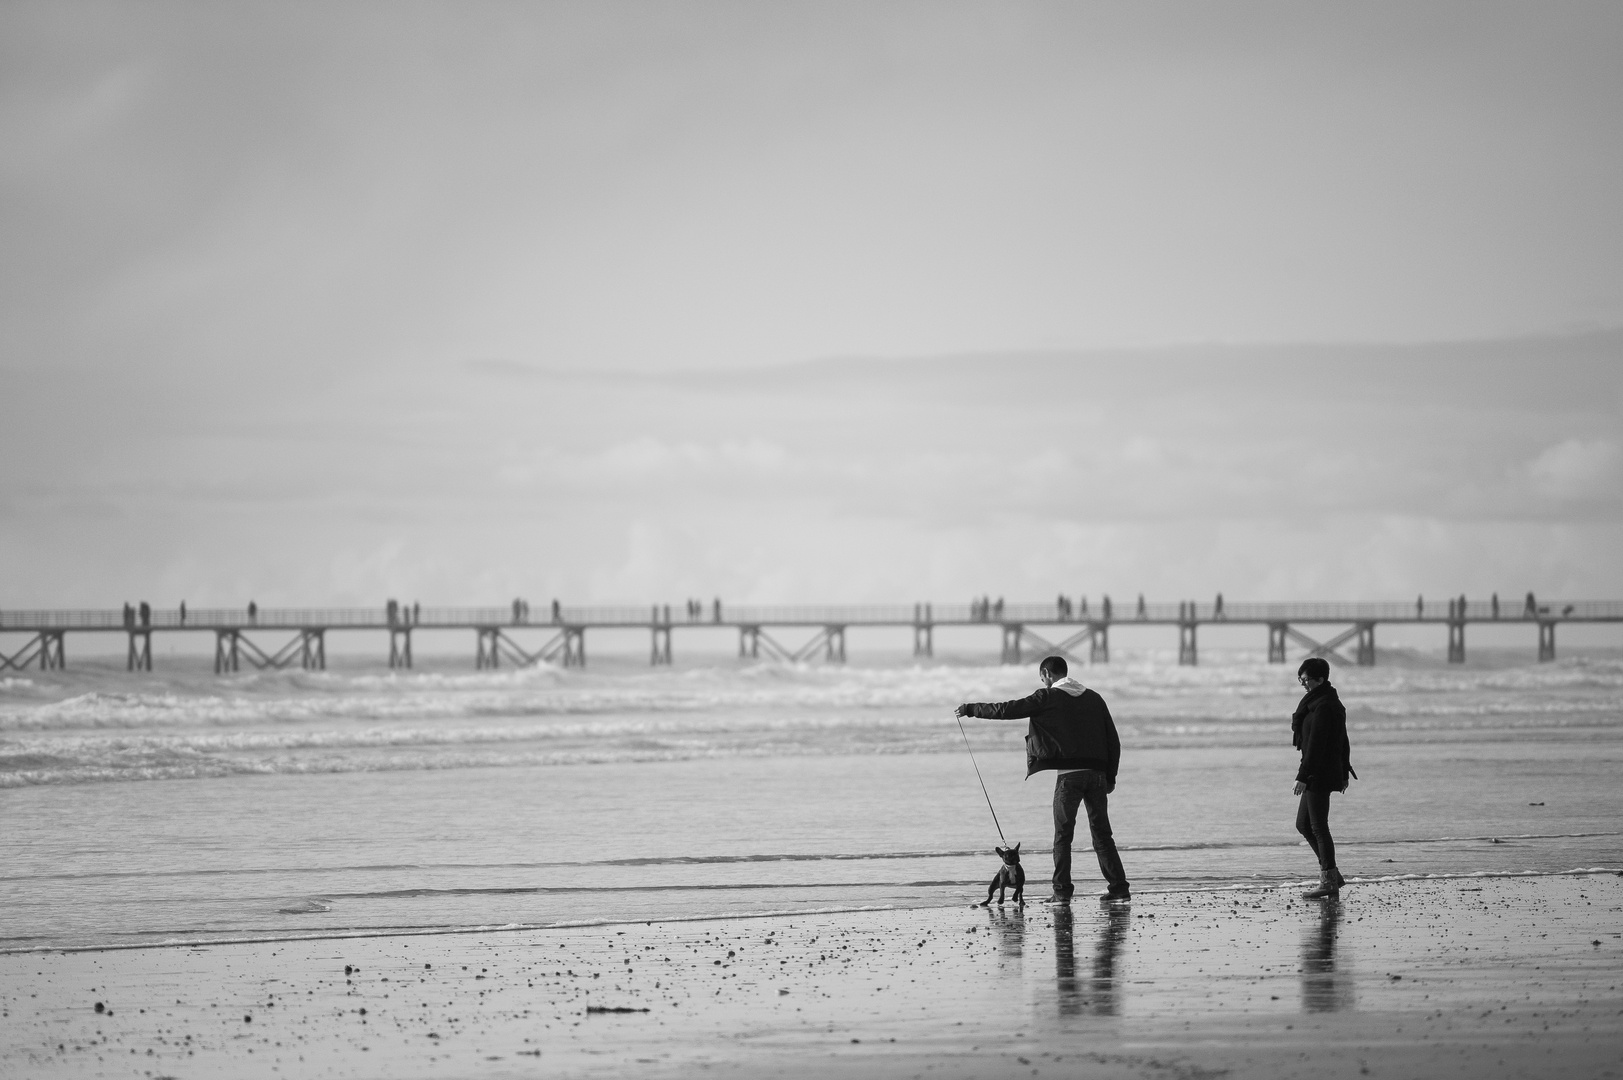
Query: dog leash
x=965, y=734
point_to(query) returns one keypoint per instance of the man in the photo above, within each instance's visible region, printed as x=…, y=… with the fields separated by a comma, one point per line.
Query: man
x=1319, y=731
x=1072, y=733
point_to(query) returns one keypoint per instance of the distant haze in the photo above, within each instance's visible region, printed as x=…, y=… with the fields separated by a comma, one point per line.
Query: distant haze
x=323, y=303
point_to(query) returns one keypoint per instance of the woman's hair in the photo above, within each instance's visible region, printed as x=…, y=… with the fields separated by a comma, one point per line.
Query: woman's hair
x=1314, y=667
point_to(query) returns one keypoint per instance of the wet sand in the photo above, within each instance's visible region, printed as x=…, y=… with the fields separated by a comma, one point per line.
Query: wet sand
x=1467, y=977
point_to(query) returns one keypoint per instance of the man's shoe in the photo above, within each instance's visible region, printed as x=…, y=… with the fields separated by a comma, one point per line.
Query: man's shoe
x=1057, y=898
x=1114, y=893
x=1328, y=888
x=1340, y=881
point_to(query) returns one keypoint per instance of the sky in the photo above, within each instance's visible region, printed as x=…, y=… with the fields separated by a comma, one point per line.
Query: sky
x=322, y=303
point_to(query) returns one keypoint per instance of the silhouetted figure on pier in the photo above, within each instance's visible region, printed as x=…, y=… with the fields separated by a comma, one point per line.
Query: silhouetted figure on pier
x=183, y=613
x=557, y=612
x=1531, y=610
x=417, y=611
x=1105, y=604
x=253, y=612
x=1143, y=614
x=129, y=615
x=1420, y=607
x=718, y=609
x=1082, y=603
x=146, y=613
x=1462, y=605
x=391, y=611
x=1217, y=608
x=1495, y=603
x=997, y=609
x=518, y=611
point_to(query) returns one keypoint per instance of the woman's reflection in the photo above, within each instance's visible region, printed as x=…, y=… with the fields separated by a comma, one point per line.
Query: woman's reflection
x=1323, y=989
x=1100, y=994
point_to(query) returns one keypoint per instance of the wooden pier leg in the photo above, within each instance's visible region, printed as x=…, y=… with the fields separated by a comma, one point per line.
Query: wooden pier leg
x=1012, y=633
x=1456, y=642
x=1186, y=644
x=834, y=644
x=52, y=653
x=225, y=651
x=660, y=649
x=139, y=657
x=923, y=639
x=574, y=646
x=1546, y=641
x=484, y=648
x=400, y=648
x=1276, y=643
x=1366, y=645
x=1099, y=644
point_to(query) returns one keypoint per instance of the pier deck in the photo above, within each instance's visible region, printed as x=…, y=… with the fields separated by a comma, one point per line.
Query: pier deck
x=1069, y=630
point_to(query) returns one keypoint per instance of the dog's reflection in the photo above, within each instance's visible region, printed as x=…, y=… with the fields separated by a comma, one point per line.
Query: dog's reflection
x=1010, y=928
x=1099, y=995
x=1324, y=988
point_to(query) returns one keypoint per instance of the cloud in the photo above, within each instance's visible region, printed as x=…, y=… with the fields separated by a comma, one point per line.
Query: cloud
x=1579, y=470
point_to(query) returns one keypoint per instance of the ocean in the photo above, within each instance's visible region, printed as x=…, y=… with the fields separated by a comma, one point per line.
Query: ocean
x=184, y=807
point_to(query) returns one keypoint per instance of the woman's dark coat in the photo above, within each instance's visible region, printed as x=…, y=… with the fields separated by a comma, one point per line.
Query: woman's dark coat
x=1319, y=731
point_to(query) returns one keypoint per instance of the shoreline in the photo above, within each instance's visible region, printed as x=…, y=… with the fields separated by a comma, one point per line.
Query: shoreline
x=1504, y=974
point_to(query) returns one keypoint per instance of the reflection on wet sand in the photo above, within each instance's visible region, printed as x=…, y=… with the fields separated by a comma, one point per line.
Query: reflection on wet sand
x=1010, y=928
x=1324, y=988
x=1099, y=995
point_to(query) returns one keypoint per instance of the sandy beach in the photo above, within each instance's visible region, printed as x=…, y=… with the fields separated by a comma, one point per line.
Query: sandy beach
x=1467, y=977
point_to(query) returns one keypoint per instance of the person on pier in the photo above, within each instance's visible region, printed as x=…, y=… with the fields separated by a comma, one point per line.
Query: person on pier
x=1319, y=731
x=1071, y=732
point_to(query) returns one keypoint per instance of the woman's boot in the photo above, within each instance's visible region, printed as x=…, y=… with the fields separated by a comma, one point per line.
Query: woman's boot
x=1328, y=888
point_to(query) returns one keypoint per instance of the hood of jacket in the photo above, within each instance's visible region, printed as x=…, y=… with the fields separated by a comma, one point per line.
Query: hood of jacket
x=1070, y=686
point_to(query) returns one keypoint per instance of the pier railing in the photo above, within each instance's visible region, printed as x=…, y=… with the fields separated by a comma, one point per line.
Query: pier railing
x=609, y=616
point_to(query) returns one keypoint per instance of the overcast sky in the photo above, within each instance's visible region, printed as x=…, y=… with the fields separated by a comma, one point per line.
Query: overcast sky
x=321, y=303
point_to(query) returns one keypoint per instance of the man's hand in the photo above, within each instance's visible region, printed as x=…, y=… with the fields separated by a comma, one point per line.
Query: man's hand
x=1300, y=787
x=1110, y=786
x=965, y=709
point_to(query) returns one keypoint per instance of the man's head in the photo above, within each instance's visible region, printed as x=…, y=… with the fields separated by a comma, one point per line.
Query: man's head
x=1314, y=670
x=1052, y=670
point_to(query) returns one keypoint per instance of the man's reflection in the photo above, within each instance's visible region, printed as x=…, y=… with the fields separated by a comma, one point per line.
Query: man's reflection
x=1323, y=990
x=1100, y=994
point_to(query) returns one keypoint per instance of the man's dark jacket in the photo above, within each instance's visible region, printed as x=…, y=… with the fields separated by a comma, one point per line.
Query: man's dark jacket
x=1319, y=731
x=1067, y=731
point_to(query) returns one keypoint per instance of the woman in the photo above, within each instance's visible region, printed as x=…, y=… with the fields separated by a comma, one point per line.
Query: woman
x=1319, y=731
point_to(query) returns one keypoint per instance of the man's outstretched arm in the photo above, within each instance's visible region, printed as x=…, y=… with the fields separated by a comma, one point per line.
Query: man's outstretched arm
x=1018, y=709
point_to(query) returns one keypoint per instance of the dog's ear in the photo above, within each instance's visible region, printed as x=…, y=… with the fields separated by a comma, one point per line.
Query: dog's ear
x=998, y=850
x=1017, y=847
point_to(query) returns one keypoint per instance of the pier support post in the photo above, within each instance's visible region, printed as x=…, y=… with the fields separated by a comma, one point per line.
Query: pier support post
x=660, y=649
x=1456, y=642
x=1012, y=633
x=225, y=651
x=485, y=652
x=923, y=631
x=749, y=642
x=574, y=646
x=139, y=658
x=1099, y=644
x=834, y=644
x=400, y=647
x=52, y=655
x=1276, y=642
x=1546, y=641
x=1186, y=644
x=1366, y=644
x=313, y=650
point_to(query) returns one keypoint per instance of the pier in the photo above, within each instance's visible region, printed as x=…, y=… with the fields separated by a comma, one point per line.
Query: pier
x=278, y=638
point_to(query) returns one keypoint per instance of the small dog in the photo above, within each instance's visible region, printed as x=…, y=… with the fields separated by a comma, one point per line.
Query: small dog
x=1011, y=875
